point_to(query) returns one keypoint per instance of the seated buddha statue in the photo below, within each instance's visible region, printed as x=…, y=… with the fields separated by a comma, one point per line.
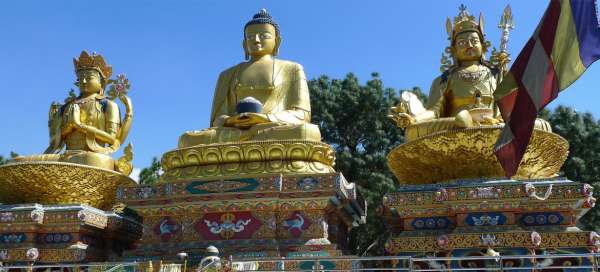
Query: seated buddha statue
x=88, y=127
x=278, y=89
x=463, y=95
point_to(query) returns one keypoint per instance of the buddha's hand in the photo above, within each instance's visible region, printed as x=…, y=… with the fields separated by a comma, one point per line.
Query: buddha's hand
x=246, y=120
x=401, y=119
x=488, y=120
x=72, y=118
x=220, y=121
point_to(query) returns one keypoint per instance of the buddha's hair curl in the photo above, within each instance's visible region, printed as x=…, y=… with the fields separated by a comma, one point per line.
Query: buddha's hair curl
x=263, y=17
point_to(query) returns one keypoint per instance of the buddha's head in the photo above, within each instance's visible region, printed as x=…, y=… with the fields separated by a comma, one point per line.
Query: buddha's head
x=92, y=73
x=467, y=41
x=261, y=36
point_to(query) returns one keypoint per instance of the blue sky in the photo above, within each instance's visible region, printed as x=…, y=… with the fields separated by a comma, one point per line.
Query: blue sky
x=173, y=51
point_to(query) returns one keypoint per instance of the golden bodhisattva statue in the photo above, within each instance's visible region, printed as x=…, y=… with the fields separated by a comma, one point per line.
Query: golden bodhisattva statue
x=77, y=166
x=89, y=127
x=257, y=102
x=463, y=95
x=453, y=135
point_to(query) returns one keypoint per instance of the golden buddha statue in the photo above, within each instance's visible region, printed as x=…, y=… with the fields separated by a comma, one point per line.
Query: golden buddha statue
x=260, y=120
x=452, y=136
x=280, y=86
x=89, y=127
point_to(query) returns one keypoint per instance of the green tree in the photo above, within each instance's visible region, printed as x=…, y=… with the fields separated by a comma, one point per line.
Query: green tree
x=353, y=120
x=582, y=131
x=4, y=160
x=151, y=174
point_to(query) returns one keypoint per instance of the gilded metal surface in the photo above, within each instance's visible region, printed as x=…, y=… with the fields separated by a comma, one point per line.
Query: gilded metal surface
x=255, y=151
x=59, y=183
x=467, y=153
x=248, y=159
x=88, y=126
x=514, y=239
x=279, y=85
x=246, y=170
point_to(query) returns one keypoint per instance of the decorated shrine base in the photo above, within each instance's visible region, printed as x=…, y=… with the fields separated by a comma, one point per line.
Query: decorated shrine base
x=480, y=217
x=265, y=216
x=64, y=233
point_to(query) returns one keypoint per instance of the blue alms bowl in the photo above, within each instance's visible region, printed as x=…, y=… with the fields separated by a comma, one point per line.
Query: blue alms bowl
x=249, y=104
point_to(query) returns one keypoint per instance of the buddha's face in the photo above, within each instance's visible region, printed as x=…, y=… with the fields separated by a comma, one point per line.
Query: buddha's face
x=89, y=81
x=468, y=47
x=260, y=39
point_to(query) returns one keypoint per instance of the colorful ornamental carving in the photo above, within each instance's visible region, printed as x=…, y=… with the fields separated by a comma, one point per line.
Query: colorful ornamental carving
x=296, y=224
x=166, y=228
x=239, y=225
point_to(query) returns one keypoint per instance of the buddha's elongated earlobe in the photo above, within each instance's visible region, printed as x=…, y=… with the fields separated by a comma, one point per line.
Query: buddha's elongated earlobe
x=277, y=44
x=246, y=53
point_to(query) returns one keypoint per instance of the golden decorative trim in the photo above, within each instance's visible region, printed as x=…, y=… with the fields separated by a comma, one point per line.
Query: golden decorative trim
x=246, y=170
x=251, y=151
x=396, y=245
x=59, y=183
x=468, y=153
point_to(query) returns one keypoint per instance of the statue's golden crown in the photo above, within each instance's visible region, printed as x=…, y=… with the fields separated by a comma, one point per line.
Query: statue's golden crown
x=95, y=62
x=464, y=22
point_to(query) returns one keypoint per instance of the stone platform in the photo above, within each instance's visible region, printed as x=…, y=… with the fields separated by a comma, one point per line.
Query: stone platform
x=266, y=216
x=65, y=233
x=467, y=218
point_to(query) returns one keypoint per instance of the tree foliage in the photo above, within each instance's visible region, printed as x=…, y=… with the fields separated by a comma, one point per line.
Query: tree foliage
x=151, y=174
x=2, y=160
x=582, y=131
x=353, y=119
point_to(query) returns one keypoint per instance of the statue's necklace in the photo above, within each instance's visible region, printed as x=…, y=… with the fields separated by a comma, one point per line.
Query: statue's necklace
x=471, y=77
x=84, y=100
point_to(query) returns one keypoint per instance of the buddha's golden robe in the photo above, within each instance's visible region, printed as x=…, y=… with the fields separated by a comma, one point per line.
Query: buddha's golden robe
x=286, y=103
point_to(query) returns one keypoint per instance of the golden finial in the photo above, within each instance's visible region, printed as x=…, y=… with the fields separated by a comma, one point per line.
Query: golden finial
x=95, y=62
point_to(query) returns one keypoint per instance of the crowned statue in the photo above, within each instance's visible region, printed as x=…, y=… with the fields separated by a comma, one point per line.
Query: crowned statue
x=88, y=127
x=260, y=104
x=461, y=117
x=84, y=131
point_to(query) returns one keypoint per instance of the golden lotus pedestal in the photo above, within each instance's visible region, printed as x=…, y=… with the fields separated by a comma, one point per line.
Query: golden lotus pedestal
x=248, y=159
x=468, y=153
x=59, y=183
